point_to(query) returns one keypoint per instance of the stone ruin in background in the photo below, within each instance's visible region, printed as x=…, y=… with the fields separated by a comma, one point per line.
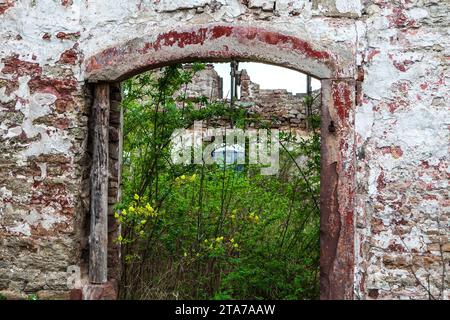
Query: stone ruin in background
x=284, y=110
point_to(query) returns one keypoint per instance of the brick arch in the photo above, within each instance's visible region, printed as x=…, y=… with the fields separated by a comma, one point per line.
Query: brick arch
x=217, y=43
x=214, y=43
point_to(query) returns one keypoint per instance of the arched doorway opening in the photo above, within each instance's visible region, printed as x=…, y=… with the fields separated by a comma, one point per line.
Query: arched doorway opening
x=216, y=43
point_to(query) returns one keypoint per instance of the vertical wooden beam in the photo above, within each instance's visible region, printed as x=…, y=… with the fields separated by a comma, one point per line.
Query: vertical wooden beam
x=98, y=241
x=308, y=107
x=337, y=190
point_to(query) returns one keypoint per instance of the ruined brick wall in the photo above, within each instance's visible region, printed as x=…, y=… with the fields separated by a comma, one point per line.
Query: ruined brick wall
x=284, y=109
x=206, y=82
x=400, y=50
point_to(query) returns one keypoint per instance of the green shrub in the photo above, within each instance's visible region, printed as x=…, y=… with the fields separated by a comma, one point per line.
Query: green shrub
x=205, y=231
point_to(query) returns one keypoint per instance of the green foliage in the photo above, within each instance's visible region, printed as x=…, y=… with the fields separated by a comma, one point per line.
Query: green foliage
x=211, y=232
x=3, y=297
x=32, y=297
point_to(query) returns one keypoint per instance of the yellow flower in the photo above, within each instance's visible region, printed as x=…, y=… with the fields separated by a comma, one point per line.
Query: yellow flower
x=141, y=233
x=124, y=212
x=233, y=216
x=143, y=221
x=185, y=254
x=116, y=215
x=183, y=177
x=136, y=197
x=219, y=239
x=193, y=177
x=235, y=245
x=119, y=238
x=232, y=240
x=131, y=209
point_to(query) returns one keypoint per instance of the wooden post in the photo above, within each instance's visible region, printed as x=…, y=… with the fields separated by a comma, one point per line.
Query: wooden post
x=308, y=106
x=98, y=241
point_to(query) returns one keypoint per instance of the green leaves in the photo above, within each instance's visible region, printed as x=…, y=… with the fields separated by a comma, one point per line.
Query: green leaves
x=210, y=232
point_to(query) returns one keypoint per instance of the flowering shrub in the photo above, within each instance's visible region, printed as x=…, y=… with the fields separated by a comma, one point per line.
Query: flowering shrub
x=205, y=231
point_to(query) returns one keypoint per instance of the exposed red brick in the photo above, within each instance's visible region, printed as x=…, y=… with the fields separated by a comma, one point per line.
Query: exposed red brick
x=69, y=57
x=341, y=97
x=219, y=32
x=18, y=68
x=63, y=89
x=68, y=36
x=63, y=105
x=381, y=184
x=6, y=5
x=373, y=293
x=372, y=54
x=76, y=294
x=395, y=151
x=47, y=193
x=66, y=3
x=399, y=18
x=62, y=123
x=400, y=66
x=397, y=104
x=395, y=247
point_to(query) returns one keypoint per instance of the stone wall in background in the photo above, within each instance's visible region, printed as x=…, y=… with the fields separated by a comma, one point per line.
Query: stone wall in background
x=277, y=106
x=206, y=82
x=284, y=109
x=400, y=48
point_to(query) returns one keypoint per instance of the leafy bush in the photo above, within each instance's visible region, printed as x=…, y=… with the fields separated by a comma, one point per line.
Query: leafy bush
x=209, y=231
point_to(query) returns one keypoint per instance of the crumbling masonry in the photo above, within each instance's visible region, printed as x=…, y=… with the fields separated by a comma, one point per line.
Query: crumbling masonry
x=385, y=99
x=279, y=107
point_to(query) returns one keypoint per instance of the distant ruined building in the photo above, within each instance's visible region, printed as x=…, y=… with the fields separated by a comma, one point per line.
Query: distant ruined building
x=283, y=109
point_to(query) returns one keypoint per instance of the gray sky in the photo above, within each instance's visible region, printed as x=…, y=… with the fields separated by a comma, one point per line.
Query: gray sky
x=267, y=76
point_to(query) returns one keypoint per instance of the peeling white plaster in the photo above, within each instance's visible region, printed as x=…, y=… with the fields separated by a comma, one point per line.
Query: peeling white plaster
x=47, y=218
x=364, y=118
x=20, y=228
x=349, y=6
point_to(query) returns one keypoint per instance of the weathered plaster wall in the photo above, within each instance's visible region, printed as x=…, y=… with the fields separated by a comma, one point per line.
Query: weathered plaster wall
x=402, y=121
x=403, y=151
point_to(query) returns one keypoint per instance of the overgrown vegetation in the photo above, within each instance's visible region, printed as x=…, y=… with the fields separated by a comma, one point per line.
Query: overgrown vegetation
x=210, y=231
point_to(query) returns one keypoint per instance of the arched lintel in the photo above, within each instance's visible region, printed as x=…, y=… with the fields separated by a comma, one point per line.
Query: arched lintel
x=214, y=43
